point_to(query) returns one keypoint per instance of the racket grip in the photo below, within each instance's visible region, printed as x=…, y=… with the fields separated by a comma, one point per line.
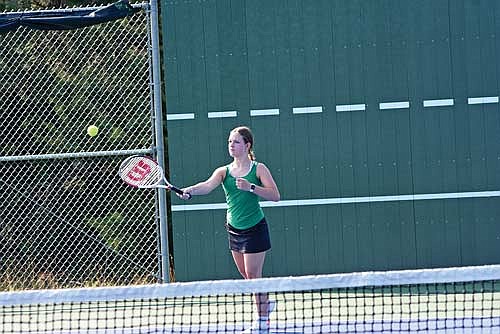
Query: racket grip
x=180, y=192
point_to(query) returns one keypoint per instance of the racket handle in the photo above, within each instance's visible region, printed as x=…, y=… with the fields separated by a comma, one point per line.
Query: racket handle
x=180, y=192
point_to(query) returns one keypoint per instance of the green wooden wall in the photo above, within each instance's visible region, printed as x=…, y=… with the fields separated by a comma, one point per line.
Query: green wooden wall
x=378, y=119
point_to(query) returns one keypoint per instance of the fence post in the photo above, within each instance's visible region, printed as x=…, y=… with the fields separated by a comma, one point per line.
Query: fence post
x=162, y=195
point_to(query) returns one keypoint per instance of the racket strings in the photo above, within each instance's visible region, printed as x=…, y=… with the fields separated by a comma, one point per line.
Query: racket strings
x=141, y=172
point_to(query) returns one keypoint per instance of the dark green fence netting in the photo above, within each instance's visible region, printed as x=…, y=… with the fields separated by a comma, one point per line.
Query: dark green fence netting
x=65, y=19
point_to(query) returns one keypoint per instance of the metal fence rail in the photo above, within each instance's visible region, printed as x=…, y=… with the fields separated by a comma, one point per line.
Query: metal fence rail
x=65, y=218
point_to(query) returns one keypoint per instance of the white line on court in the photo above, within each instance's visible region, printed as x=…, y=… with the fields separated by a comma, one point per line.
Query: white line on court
x=346, y=200
x=350, y=107
x=307, y=110
x=482, y=100
x=177, y=117
x=222, y=114
x=264, y=112
x=394, y=105
x=439, y=103
x=339, y=108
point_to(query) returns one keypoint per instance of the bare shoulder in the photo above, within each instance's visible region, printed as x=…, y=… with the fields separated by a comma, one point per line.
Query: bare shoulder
x=262, y=169
x=220, y=173
x=216, y=178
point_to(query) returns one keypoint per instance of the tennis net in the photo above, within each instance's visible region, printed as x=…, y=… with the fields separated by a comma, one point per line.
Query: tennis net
x=451, y=300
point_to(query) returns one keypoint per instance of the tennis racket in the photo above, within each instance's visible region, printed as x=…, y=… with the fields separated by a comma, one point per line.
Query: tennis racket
x=143, y=172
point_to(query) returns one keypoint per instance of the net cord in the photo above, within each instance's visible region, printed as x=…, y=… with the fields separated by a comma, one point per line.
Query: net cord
x=261, y=285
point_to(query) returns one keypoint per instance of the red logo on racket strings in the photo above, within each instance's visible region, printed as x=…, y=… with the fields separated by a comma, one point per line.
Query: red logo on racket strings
x=140, y=171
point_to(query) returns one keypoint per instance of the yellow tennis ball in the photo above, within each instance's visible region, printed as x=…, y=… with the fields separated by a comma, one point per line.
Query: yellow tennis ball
x=92, y=130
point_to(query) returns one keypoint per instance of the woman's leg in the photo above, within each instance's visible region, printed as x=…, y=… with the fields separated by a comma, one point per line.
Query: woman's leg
x=250, y=266
x=254, y=262
x=240, y=263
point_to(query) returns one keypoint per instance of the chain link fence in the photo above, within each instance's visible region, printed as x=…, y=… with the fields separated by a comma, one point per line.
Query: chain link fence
x=66, y=219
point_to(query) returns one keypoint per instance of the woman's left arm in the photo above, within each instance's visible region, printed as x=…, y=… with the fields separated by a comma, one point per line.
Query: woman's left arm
x=269, y=190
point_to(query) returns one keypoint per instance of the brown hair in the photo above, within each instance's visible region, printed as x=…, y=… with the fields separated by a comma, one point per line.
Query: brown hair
x=247, y=136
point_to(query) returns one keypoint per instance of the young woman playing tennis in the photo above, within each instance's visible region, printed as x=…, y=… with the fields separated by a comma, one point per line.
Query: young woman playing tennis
x=244, y=181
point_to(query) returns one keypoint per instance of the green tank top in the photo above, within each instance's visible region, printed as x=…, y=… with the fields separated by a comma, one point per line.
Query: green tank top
x=243, y=209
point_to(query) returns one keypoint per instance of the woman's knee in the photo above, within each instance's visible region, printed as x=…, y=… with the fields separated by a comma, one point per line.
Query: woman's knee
x=249, y=274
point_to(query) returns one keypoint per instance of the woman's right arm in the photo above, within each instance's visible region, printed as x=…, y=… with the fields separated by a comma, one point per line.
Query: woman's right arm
x=205, y=187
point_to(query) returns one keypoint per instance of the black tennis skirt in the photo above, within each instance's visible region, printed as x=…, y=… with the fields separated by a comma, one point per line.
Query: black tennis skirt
x=252, y=240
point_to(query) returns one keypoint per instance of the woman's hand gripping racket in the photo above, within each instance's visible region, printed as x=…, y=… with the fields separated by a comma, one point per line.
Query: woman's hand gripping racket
x=143, y=172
